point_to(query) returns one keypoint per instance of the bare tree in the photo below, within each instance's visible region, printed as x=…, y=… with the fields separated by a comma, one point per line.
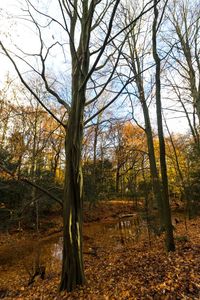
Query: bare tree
x=184, y=62
x=89, y=25
x=139, y=47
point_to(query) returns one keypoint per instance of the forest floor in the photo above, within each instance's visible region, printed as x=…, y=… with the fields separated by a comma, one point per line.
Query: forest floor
x=121, y=261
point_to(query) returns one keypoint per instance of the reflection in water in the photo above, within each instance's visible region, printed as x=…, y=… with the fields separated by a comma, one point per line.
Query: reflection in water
x=57, y=249
x=47, y=253
x=38, y=259
x=126, y=230
x=44, y=258
x=129, y=229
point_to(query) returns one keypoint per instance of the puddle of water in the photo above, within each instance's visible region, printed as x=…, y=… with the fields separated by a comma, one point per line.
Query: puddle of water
x=126, y=230
x=48, y=252
x=23, y=261
x=24, y=257
x=57, y=249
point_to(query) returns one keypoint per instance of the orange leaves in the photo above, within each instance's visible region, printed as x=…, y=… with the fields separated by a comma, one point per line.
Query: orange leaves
x=130, y=271
x=133, y=135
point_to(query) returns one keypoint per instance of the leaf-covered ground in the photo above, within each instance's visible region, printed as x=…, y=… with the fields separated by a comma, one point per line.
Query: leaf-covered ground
x=134, y=269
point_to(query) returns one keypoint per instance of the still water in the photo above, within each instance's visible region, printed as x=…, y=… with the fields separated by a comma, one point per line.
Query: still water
x=25, y=256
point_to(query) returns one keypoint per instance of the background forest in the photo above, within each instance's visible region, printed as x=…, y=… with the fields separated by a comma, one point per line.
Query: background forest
x=115, y=153
x=99, y=101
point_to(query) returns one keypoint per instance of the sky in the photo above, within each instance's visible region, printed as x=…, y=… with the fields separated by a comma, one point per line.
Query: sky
x=27, y=39
x=12, y=33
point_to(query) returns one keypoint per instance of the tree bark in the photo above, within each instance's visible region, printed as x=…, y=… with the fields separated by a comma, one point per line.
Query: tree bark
x=72, y=264
x=136, y=67
x=117, y=179
x=166, y=206
x=152, y=160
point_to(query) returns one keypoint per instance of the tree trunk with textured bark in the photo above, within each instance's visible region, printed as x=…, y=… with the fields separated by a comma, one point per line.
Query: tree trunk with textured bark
x=137, y=70
x=72, y=267
x=166, y=206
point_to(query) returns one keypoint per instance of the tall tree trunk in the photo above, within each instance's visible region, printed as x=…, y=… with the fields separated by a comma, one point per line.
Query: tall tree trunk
x=55, y=163
x=94, y=181
x=96, y=130
x=117, y=179
x=166, y=206
x=136, y=67
x=72, y=265
x=152, y=161
x=34, y=168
